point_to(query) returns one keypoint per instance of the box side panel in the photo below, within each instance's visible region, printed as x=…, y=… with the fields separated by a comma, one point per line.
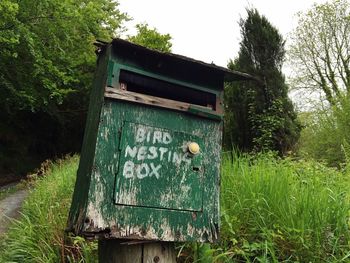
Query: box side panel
x=113, y=220
x=79, y=201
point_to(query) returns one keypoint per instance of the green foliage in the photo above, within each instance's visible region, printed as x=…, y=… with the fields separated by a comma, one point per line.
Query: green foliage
x=151, y=38
x=51, y=50
x=326, y=136
x=283, y=210
x=8, y=36
x=195, y=252
x=272, y=210
x=320, y=48
x=38, y=236
x=259, y=115
x=275, y=210
x=47, y=61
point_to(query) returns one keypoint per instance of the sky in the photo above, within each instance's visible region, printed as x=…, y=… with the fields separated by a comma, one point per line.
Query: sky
x=208, y=30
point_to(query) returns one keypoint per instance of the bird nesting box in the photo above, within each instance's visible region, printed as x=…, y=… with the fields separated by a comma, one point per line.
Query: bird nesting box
x=150, y=160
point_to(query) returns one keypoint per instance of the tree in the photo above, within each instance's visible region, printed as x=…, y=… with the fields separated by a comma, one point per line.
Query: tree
x=151, y=38
x=50, y=49
x=260, y=116
x=320, y=51
x=325, y=136
x=47, y=61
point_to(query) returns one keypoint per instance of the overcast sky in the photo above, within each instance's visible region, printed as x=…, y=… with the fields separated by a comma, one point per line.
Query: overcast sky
x=208, y=30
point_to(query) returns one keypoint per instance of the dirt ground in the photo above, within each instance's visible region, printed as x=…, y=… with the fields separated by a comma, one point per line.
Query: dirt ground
x=9, y=209
x=6, y=179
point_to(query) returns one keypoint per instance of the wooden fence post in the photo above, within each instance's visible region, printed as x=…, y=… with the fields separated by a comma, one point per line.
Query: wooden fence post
x=122, y=251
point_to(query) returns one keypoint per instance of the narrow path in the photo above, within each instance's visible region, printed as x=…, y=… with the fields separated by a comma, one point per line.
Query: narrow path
x=4, y=187
x=9, y=209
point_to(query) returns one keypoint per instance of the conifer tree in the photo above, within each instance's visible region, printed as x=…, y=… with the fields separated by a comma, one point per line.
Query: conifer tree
x=260, y=116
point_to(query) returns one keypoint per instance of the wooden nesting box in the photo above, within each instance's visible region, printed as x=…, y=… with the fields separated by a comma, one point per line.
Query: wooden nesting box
x=150, y=161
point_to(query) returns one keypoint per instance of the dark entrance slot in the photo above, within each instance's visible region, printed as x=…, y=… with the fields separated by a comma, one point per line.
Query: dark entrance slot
x=149, y=86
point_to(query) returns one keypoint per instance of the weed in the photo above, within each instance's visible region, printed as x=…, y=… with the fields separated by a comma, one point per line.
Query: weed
x=272, y=210
x=38, y=236
x=283, y=211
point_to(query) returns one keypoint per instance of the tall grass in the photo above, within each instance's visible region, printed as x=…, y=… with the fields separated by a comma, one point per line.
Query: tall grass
x=272, y=211
x=38, y=236
x=283, y=211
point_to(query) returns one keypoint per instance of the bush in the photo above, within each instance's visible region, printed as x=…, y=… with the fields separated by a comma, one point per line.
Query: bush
x=326, y=136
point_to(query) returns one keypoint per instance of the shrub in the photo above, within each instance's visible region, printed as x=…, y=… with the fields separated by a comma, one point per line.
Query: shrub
x=326, y=136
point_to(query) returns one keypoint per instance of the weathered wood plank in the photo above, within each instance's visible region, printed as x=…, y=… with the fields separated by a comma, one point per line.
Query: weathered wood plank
x=114, y=251
x=123, y=94
x=159, y=253
x=132, y=222
x=158, y=157
x=111, y=251
x=145, y=99
x=80, y=197
x=192, y=213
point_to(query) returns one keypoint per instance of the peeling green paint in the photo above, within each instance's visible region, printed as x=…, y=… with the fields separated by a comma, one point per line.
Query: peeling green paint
x=156, y=169
x=176, y=206
x=136, y=177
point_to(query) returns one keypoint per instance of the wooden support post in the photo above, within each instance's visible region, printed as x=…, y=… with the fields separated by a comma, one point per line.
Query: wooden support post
x=121, y=251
